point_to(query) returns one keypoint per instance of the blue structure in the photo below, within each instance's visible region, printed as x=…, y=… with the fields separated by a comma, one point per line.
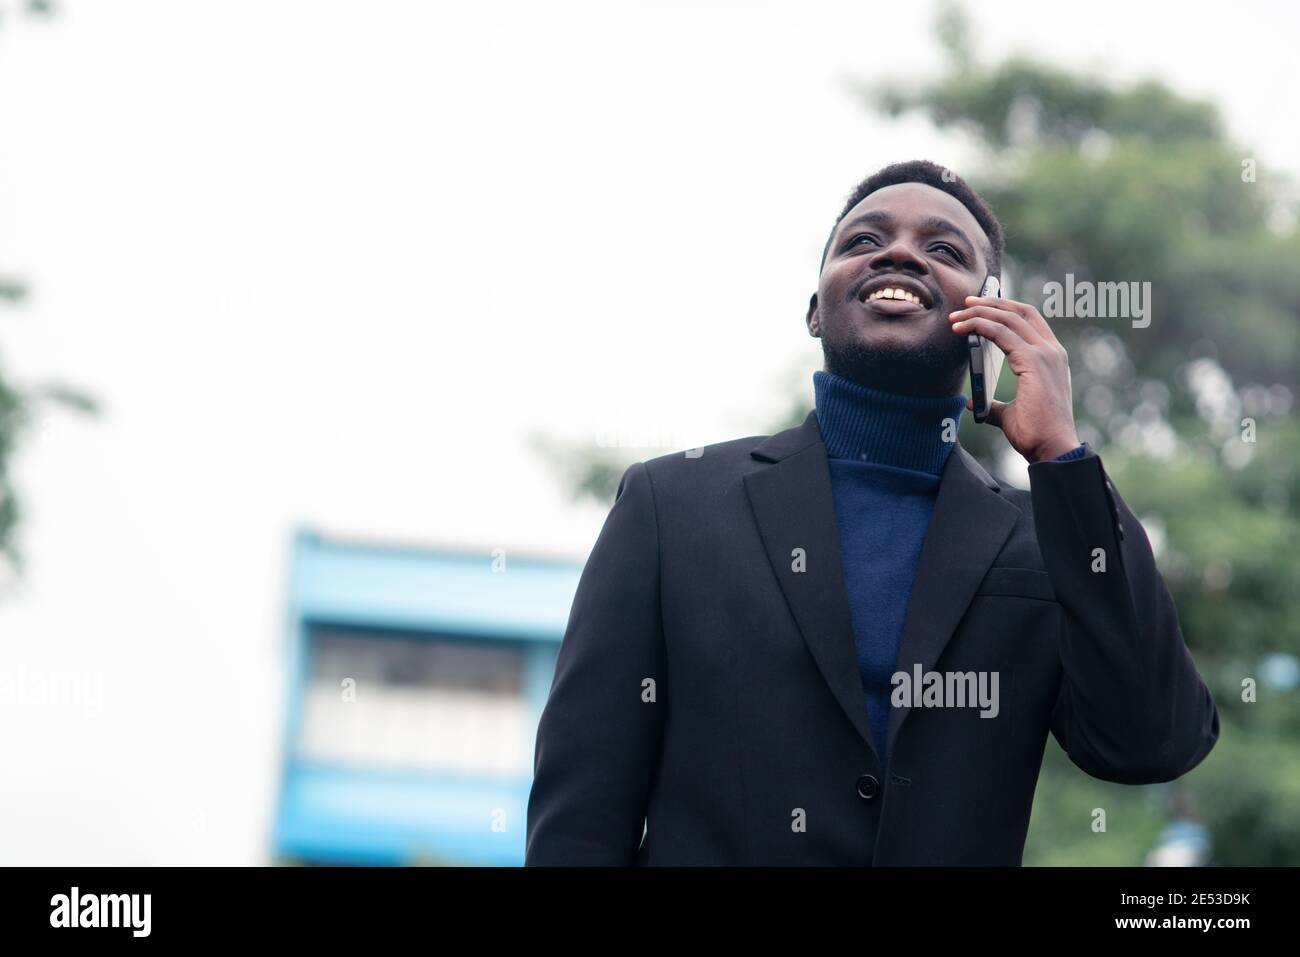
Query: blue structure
x=416, y=681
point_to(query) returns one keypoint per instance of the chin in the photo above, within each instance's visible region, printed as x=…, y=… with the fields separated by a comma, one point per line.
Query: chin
x=921, y=368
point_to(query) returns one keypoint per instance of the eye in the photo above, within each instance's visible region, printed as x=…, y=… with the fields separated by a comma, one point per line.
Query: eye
x=854, y=241
x=952, y=251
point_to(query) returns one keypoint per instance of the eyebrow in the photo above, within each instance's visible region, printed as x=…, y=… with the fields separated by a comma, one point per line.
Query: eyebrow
x=933, y=224
x=938, y=224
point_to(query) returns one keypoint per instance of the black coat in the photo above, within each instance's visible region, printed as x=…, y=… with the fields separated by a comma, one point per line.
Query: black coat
x=707, y=693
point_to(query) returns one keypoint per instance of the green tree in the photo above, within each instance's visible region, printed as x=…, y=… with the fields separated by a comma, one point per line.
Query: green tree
x=21, y=404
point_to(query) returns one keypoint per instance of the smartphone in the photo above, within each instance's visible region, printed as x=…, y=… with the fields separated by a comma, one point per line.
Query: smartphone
x=985, y=361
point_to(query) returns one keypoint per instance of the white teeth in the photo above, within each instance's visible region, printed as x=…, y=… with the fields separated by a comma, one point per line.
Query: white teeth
x=890, y=292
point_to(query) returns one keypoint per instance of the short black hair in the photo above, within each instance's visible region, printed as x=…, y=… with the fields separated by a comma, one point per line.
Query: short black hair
x=941, y=178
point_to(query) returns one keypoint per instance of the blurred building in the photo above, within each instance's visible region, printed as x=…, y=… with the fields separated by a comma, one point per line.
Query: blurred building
x=416, y=679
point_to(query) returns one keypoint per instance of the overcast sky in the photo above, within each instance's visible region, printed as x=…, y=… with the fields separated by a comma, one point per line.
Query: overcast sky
x=332, y=263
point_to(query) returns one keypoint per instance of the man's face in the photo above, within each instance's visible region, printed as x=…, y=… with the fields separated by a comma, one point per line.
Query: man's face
x=909, y=237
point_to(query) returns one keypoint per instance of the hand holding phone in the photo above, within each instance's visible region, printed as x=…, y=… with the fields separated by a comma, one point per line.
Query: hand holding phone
x=1039, y=422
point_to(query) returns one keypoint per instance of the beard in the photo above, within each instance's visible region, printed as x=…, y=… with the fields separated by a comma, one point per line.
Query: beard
x=924, y=369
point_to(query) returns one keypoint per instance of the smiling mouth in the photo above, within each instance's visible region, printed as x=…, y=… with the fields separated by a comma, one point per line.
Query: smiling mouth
x=894, y=301
x=895, y=293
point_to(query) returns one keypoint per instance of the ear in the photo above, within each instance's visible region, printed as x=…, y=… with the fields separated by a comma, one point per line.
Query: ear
x=814, y=326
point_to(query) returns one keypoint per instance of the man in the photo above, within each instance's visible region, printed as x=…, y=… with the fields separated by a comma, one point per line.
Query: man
x=847, y=643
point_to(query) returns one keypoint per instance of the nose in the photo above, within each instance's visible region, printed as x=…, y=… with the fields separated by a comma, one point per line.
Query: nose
x=899, y=255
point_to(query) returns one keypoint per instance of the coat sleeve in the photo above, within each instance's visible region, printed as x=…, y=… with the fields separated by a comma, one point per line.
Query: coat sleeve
x=1132, y=707
x=599, y=736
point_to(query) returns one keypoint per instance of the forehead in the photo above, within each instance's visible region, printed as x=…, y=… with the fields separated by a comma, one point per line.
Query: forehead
x=912, y=204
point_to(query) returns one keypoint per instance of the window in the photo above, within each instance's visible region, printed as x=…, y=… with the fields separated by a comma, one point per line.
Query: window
x=418, y=702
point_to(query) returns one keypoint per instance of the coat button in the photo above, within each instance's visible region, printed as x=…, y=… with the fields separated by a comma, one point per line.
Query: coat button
x=868, y=787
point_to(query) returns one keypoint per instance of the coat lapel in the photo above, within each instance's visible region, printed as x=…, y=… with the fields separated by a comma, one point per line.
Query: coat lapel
x=795, y=509
x=970, y=522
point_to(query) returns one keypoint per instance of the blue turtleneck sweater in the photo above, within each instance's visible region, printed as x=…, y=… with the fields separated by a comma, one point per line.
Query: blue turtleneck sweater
x=886, y=453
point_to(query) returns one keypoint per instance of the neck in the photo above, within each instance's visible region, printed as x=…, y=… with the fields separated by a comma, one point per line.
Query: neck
x=885, y=428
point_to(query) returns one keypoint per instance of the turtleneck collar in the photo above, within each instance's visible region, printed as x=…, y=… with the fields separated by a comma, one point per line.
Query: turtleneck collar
x=868, y=425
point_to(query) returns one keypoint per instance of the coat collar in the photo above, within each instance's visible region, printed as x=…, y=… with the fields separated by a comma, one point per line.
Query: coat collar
x=794, y=509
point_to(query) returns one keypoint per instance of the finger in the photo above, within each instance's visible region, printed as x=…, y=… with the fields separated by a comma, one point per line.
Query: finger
x=999, y=333
x=1031, y=315
x=1008, y=318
